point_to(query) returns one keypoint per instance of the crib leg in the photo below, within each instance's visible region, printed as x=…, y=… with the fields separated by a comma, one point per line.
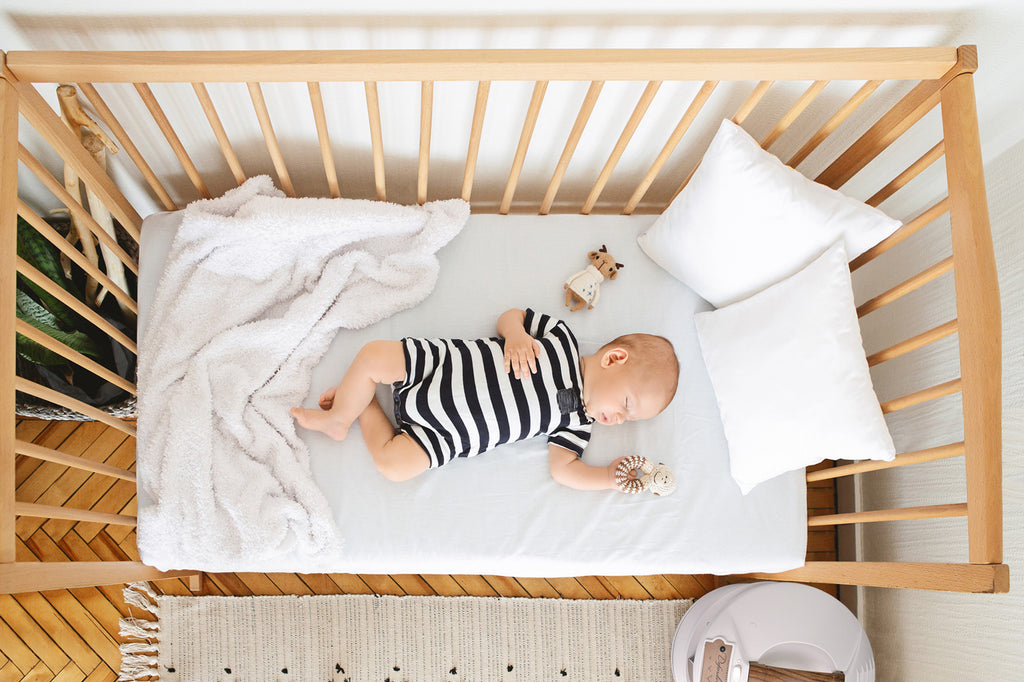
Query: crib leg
x=195, y=582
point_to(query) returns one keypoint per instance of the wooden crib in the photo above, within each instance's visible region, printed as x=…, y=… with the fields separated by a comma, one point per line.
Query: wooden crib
x=932, y=77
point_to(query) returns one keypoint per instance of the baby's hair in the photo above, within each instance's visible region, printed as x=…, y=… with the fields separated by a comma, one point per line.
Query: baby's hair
x=654, y=357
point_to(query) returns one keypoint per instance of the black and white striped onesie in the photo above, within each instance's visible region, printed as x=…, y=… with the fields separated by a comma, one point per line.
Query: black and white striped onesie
x=458, y=401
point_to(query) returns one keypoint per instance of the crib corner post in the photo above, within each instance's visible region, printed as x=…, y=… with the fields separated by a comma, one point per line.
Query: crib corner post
x=8, y=265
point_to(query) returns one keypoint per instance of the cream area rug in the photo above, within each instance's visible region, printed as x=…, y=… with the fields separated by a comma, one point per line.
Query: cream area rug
x=357, y=638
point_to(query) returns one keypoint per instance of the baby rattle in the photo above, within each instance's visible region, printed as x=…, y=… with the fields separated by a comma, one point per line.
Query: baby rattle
x=657, y=478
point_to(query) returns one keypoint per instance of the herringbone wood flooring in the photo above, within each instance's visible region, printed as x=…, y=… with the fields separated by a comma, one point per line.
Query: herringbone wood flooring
x=72, y=635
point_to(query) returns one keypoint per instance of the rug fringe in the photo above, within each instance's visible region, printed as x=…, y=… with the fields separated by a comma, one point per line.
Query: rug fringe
x=139, y=649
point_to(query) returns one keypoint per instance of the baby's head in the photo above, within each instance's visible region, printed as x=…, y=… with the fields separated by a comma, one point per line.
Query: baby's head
x=630, y=378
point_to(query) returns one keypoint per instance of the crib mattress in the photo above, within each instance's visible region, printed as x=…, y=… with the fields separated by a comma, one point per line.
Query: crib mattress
x=501, y=513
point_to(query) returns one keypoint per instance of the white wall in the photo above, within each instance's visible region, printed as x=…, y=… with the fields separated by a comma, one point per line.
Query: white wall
x=917, y=635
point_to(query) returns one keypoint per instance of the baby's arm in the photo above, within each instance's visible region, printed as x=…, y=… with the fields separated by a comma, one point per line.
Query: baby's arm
x=571, y=471
x=521, y=349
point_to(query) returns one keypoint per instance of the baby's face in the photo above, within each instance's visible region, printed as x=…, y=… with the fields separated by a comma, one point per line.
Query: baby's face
x=614, y=395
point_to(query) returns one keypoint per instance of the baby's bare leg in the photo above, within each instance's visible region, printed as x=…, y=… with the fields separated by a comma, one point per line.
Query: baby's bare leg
x=378, y=362
x=397, y=456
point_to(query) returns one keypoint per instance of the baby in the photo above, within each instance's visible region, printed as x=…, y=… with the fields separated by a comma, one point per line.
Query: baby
x=456, y=398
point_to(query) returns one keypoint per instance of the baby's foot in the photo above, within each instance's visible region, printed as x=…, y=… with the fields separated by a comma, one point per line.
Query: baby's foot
x=322, y=421
x=327, y=398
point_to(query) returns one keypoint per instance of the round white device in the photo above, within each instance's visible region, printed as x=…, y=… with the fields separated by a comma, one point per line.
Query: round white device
x=784, y=625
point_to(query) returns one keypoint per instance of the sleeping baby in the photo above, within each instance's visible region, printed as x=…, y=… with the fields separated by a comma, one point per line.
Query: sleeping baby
x=459, y=398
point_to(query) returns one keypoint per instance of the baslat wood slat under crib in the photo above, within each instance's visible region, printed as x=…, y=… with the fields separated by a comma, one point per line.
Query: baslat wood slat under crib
x=942, y=77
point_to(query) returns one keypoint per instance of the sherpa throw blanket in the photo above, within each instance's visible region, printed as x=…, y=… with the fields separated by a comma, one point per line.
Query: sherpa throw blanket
x=255, y=287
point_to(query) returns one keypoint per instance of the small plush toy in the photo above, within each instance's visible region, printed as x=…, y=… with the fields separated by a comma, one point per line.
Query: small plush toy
x=584, y=288
x=657, y=478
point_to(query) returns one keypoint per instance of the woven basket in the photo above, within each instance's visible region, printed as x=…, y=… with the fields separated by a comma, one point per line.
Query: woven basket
x=123, y=410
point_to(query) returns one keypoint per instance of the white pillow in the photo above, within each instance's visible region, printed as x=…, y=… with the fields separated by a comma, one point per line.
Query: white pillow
x=790, y=376
x=746, y=220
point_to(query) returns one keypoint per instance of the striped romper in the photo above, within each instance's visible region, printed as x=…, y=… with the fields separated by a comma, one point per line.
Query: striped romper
x=458, y=401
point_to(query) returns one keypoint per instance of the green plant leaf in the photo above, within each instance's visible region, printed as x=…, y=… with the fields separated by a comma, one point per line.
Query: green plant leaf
x=45, y=257
x=38, y=354
x=45, y=321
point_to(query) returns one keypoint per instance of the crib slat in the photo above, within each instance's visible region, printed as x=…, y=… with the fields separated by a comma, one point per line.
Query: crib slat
x=483, y=89
x=539, y=88
x=48, y=511
x=263, y=115
x=64, y=459
x=8, y=350
x=620, y=145
x=902, y=459
x=912, y=171
x=44, y=339
x=905, y=287
x=126, y=144
x=218, y=130
x=830, y=125
x=913, y=343
x=677, y=135
x=924, y=395
x=81, y=215
x=316, y=100
x=978, y=308
x=172, y=138
x=376, y=139
x=28, y=576
x=76, y=256
x=798, y=108
x=937, y=511
x=426, y=114
x=908, y=575
x=586, y=109
x=44, y=282
x=50, y=395
x=930, y=214
x=68, y=146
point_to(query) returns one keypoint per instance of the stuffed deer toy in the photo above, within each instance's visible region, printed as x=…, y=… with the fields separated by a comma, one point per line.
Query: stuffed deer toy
x=584, y=288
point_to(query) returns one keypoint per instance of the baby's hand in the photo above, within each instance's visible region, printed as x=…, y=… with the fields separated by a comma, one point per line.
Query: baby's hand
x=612, y=474
x=521, y=352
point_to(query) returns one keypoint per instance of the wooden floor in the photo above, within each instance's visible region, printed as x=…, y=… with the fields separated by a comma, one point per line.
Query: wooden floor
x=72, y=635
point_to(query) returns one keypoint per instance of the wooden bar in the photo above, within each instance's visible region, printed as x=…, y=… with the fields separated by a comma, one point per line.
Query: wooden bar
x=127, y=145
x=978, y=309
x=31, y=576
x=483, y=89
x=913, y=343
x=316, y=100
x=586, y=109
x=902, y=459
x=41, y=280
x=50, y=395
x=39, y=114
x=218, y=131
x=79, y=212
x=44, y=339
x=620, y=145
x=529, y=65
x=830, y=125
x=930, y=214
x=263, y=115
x=539, y=88
x=937, y=511
x=77, y=257
x=46, y=511
x=172, y=138
x=912, y=171
x=907, y=575
x=57, y=457
x=905, y=287
x=924, y=395
x=376, y=139
x=677, y=135
x=8, y=285
x=426, y=114
x=760, y=90
x=794, y=112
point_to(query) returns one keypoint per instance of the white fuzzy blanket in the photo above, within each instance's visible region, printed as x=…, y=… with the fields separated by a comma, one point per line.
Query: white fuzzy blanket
x=255, y=288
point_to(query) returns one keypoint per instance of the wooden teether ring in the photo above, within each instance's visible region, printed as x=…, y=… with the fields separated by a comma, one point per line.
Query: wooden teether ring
x=628, y=485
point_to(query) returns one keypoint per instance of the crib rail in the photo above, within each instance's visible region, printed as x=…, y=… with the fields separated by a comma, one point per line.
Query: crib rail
x=167, y=165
